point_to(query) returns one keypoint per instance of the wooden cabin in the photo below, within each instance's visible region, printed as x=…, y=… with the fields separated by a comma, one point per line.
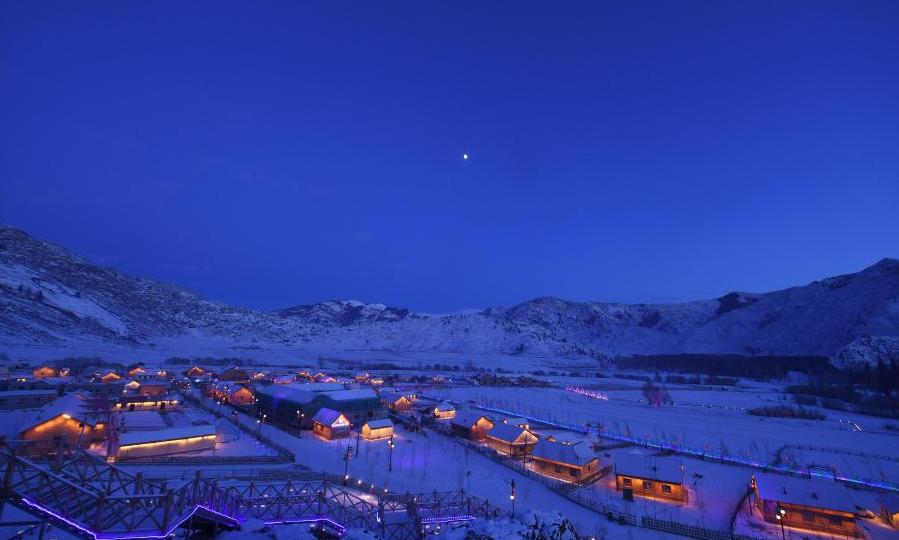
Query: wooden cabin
x=135, y=371
x=812, y=504
x=284, y=379
x=110, y=377
x=132, y=385
x=471, y=425
x=235, y=374
x=233, y=393
x=377, y=429
x=45, y=372
x=330, y=424
x=361, y=377
x=195, y=371
x=375, y=381
x=650, y=476
x=396, y=402
x=511, y=440
x=569, y=462
x=59, y=425
x=444, y=411
x=163, y=442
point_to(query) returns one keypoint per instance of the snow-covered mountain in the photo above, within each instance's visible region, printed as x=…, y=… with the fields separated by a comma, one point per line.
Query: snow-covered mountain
x=51, y=298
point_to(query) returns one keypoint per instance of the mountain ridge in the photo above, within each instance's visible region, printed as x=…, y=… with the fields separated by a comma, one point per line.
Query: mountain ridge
x=51, y=296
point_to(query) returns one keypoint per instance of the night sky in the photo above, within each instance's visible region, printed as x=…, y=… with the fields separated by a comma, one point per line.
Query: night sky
x=275, y=153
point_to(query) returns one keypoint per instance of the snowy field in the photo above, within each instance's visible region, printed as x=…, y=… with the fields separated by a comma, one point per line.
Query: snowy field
x=712, y=419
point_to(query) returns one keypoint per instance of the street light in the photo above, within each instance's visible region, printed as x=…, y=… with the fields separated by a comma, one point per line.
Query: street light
x=390, y=445
x=780, y=517
x=512, y=497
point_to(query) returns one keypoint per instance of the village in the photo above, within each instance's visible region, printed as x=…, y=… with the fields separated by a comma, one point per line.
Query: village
x=600, y=454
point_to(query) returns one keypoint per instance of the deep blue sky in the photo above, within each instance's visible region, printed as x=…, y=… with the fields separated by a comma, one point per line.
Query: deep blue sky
x=275, y=153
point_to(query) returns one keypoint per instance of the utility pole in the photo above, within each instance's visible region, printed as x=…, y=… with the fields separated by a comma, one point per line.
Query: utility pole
x=346, y=463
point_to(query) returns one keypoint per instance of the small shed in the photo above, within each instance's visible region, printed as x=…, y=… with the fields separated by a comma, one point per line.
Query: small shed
x=511, y=440
x=396, y=402
x=377, y=429
x=471, y=425
x=650, y=476
x=444, y=411
x=813, y=504
x=569, y=462
x=61, y=424
x=162, y=442
x=330, y=424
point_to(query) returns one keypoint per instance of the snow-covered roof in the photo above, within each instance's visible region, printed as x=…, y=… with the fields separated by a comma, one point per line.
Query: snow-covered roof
x=391, y=397
x=506, y=432
x=467, y=419
x=16, y=393
x=287, y=392
x=159, y=435
x=379, y=424
x=326, y=416
x=814, y=492
x=444, y=406
x=663, y=469
x=354, y=394
x=71, y=404
x=573, y=454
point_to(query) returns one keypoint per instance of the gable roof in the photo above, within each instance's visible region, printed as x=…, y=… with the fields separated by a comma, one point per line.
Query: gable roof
x=444, y=406
x=663, y=469
x=507, y=432
x=379, y=424
x=467, y=419
x=70, y=404
x=327, y=416
x=814, y=492
x=572, y=454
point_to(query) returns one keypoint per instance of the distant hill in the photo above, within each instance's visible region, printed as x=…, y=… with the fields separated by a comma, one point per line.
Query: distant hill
x=50, y=297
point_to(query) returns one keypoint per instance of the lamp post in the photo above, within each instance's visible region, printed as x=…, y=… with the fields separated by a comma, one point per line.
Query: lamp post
x=512, y=496
x=220, y=409
x=300, y=417
x=780, y=517
x=390, y=445
x=259, y=426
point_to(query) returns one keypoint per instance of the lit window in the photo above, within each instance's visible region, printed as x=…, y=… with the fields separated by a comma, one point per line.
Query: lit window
x=666, y=488
x=808, y=517
x=647, y=485
x=627, y=481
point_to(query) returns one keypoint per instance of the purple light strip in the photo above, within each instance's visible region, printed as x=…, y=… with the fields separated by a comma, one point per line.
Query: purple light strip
x=102, y=536
x=448, y=519
x=337, y=526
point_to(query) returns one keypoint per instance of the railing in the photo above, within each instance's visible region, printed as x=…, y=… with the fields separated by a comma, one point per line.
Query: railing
x=91, y=498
